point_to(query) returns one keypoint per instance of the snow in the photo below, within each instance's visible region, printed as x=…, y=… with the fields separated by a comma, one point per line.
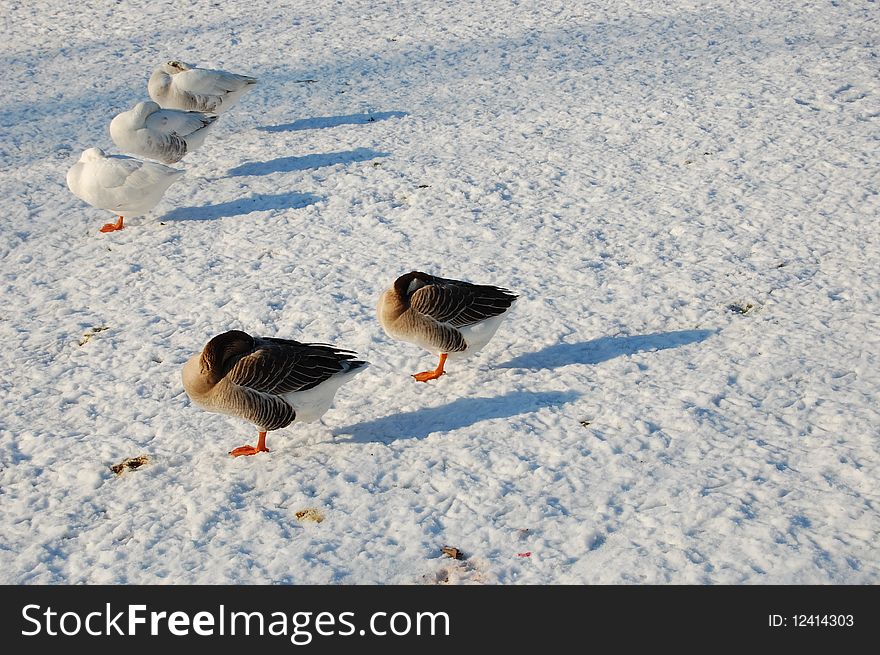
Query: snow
x=684, y=194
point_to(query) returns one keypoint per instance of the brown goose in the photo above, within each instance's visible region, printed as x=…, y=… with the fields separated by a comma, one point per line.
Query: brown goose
x=449, y=318
x=269, y=382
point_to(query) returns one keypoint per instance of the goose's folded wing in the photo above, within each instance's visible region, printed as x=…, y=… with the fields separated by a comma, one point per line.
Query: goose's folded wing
x=460, y=303
x=212, y=82
x=112, y=172
x=170, y=121
x=278, y=368
x=150, y=174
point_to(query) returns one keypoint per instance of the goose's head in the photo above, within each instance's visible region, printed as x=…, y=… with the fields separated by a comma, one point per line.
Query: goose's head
x=92, y=154
x=143, y=109
x=175, y=66
x=406, y=285
x=204, y=370
x=134, y=117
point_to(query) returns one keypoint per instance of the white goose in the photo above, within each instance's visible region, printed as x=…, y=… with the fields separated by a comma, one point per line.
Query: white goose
x=449, y=318
x=165, y=135
x=123, y=185
x=269, y=382
x=178, y=85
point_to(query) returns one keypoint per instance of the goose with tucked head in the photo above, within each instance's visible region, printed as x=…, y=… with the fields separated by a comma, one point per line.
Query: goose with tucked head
x=270, y=382
x=449, y=318
x=165, y=135
x=123, y=185
x=178, y=85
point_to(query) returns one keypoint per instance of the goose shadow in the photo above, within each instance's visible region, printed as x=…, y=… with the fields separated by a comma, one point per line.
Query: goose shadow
x=604, y=348
x=324, y=122
x=457, y=414
x=254, y=203
x=305, y=162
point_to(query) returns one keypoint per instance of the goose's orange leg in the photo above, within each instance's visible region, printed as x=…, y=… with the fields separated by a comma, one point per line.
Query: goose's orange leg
x=250, y=450
x=432, y=375
x=111, y=227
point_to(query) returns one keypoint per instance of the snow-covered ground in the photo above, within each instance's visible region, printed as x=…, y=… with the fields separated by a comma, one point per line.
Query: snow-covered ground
x=684, y=194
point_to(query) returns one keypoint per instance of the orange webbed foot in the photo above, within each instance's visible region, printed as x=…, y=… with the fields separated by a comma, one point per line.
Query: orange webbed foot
x=428, y=375
x=247, y=450
x=251, y=450
x=113, y=227
x=424, y=376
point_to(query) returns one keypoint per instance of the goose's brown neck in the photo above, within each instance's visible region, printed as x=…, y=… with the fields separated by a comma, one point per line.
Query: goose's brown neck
x=391, y=306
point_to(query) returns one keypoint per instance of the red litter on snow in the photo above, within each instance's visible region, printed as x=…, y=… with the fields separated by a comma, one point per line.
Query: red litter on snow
x=527, y=554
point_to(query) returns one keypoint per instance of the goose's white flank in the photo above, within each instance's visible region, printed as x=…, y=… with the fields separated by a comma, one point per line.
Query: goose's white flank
x=178, y=85
x=449, y=318
x=123, y=185
x=269, y=382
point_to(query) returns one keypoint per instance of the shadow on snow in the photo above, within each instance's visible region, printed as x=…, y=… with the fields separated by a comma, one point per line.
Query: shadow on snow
x=604, y=348
x=332, y=121
x=288, y=164
x=255, y=203
x=457, y=414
